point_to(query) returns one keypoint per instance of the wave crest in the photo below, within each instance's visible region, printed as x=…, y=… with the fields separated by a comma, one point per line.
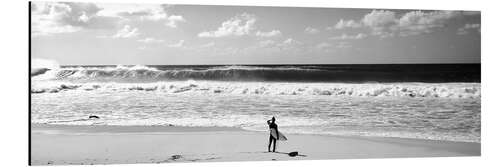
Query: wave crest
x=442, y=90
x=40, y=66
x=145, y=73
x=277, y=73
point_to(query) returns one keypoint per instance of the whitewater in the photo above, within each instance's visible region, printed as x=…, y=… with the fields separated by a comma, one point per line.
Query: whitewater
x=325, y=100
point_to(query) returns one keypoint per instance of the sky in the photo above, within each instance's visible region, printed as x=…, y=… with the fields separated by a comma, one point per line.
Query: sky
x=164, y=34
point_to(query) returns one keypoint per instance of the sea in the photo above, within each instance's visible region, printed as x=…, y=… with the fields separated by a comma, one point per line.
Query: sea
x=419, y=101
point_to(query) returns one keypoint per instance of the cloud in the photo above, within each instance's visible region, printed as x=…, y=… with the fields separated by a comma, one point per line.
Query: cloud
x=418, y=22
x=83, y=18
x=311, y=30
x=66, y=17
x=267, y=44
x=291, y=41
x=379, y=18
x=346, y=24
x=150, y=40
x=347, y=37
x=385, y=23
x=173, y=20
x=272, y=33
x=126, y=32
x=179, y=44
x=152, y=13
x=465, y=29
x=381, y=22
x=236, y=26
x=289, y=44
x=285, y=44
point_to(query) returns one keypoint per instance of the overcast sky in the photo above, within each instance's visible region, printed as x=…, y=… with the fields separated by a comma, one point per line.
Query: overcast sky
x=94, y=34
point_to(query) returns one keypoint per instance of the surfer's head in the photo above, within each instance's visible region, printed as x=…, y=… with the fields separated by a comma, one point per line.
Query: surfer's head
x=273, y=119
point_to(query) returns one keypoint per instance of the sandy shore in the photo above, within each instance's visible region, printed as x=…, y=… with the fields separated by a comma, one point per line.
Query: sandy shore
x=63, y=144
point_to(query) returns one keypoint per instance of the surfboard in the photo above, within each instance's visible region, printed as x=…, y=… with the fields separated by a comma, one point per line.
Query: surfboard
x=282, y=137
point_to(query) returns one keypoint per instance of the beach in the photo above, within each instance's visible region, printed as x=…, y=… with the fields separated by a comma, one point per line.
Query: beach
x=162, y=114
x=77, y=144
x=173, y=83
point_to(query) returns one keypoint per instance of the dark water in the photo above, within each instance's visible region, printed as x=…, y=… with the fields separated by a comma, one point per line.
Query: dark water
x=359, y=73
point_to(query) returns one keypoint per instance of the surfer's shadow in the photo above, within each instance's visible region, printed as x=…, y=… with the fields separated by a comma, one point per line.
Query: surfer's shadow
x=291, y=154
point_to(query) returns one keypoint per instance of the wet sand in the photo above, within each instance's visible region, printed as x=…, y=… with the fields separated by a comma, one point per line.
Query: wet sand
x=66, y=144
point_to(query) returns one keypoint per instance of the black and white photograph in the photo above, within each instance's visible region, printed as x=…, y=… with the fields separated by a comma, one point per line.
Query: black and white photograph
x=147, y=83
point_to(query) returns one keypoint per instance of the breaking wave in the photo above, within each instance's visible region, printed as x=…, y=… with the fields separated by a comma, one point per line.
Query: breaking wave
x=277, y=73
x=144, y=73
x=40, y=66
x=442, y=90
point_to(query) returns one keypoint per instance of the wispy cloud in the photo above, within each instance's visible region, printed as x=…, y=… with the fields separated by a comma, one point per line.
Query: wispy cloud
x=343, y=24
x=311, y=30
x=267, y=43
x=291, y=41
x=288, y=43
x=126, y=32
x=179, y=44
x=66, y=17
x=347, y=37
x=153, y=13
x=174, y=20
x=272, y=33
x=150, y=40
x=236, y=26
x=418, y=22
x=385, y=23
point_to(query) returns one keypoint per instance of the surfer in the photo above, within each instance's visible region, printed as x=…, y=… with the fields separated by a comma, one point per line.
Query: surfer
x=273, y=130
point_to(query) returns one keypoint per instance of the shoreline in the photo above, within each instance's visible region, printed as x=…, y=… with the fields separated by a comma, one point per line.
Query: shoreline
x=167, y=129
x=77, y=144
x=127, y=129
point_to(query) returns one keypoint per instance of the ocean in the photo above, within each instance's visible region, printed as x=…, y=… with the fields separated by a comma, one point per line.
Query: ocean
x=422, y=101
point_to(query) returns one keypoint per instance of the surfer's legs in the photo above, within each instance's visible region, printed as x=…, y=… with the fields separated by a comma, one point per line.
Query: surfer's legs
x=274, y=145
x=270, y=141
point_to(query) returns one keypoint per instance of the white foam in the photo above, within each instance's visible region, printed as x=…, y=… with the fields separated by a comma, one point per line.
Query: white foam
x=427, y=90
x=306, y=108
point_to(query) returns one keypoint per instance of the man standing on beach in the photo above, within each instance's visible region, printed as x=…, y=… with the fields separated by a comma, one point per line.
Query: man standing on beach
x=273, y=135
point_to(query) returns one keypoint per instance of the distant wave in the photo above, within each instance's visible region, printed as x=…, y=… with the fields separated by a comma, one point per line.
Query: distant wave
x=144, y=73
x=38, y=71
x=428, y=90
x=349, y=74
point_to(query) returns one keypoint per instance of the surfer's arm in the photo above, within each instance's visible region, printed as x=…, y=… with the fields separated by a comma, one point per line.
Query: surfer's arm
x=268, y=122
